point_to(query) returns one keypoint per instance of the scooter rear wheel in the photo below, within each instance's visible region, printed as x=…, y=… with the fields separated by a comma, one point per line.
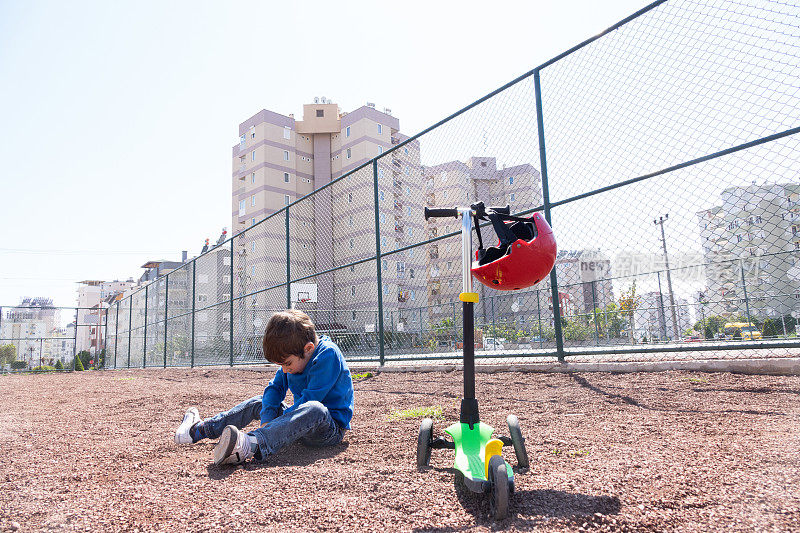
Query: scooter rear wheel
x=424, y=442
x=517, y=441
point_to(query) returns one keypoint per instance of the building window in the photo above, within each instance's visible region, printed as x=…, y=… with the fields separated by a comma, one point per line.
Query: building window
x=350, y=221
x=286, y=177
x=253, y=270
x=253, y=221
x=241, y=207
x=253, y=200
x=253, y=177
x=347, y=131
x=513, y=196
x=349, y=153
x=408, y=211
x=383, y=217
x=350, y=197
x=287, y=132
x=380, y=195
x=253, y=246
x=380, y=149
x=286, y=155
x=320, y=113
x=352, y=290
x=380, y=129
x=351, y=244
x=511, y=180
x=243, y=138
x=253, y=155
x=285, y=199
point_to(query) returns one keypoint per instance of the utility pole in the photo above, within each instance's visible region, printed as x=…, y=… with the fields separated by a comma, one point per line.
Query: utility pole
x=660, y=222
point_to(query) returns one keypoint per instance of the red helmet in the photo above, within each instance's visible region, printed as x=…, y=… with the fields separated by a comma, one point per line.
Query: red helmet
x=525, y=254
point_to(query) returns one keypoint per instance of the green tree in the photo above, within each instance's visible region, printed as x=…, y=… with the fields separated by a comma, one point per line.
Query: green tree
x=77, y=364
x=59, y=365
x=85, y=357
x=629, y=301
x=8, y=353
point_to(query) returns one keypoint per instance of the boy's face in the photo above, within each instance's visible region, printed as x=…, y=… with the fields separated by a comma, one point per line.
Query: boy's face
x=294, y=364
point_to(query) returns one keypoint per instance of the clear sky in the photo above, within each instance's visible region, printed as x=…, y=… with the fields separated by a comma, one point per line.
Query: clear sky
x=117, y=118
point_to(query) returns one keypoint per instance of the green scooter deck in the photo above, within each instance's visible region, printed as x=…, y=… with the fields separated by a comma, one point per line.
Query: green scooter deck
x=470, y=453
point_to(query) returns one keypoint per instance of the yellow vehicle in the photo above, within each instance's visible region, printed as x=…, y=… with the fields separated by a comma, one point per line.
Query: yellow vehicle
x=741, y=330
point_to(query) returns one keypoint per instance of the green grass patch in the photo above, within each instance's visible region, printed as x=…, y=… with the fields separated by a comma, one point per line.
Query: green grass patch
x=434, y=412
x=123, y=379
x=697, y=380
x=362, y=375
x=578, y=453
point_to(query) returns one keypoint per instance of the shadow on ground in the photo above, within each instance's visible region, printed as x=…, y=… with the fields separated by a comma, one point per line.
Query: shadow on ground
x=293, y=455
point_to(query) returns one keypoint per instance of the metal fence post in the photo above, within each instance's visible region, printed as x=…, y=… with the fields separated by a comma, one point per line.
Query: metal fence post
x=75, y=342
x=130, y=329
x=288, y=265
x=381, y=351
x=144, y=336
x=230, y=318
x=194, y=283
x=547, y=215
x=116, y=334
x=166, y=316
x=105, y=338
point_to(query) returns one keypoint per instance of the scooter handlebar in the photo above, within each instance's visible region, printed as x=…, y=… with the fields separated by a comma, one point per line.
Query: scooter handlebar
x=440, y=213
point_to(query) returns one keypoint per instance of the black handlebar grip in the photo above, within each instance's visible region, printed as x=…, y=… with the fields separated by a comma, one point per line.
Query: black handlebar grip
x=502, y=210
x=440, y=213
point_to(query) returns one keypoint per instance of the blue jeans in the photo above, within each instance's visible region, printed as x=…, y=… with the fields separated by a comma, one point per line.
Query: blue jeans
x=311, y=424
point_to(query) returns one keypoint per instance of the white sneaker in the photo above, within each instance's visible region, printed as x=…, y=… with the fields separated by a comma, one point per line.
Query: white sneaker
x=183, y=433
x=233, y=447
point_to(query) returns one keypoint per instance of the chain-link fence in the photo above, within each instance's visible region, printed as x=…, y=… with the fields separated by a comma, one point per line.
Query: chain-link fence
x=664, y=153
x=38, y=336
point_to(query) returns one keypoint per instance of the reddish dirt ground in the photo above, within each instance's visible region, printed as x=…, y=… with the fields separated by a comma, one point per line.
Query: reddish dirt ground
x=669, y=451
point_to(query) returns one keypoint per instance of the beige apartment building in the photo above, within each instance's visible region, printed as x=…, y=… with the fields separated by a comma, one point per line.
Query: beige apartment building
x=456, y=183
x=279, y=160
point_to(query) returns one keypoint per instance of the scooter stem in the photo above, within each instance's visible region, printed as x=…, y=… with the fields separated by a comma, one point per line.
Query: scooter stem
x=469, y=405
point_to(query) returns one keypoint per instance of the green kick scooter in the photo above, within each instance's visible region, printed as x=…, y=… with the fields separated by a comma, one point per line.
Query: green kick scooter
x=478, y=456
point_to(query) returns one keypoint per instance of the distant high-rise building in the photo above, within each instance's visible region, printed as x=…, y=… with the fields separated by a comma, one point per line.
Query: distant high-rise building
x=750, y=245
x=280, y=159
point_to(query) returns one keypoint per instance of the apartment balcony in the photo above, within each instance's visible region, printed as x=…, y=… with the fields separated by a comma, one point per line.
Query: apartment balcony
x=395, y=140
x=398, y=229
x=430, y=200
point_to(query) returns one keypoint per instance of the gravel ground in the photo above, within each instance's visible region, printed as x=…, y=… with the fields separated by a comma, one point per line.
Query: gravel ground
x=668, y=451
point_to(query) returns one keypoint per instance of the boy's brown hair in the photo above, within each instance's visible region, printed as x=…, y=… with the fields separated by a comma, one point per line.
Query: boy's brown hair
x=287, y=334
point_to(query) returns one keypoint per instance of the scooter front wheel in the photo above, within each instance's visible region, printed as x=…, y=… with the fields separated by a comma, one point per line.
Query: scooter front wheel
x=498, y=478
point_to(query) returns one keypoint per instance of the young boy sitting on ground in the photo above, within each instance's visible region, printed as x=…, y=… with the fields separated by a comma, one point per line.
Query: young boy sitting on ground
x=313, y=369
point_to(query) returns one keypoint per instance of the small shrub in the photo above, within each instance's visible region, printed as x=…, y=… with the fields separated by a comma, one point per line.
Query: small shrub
x=18, y=365
x=59, y=365
x=78, y=364
x=44, y=368
x=417, y=412
x=363, y=375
